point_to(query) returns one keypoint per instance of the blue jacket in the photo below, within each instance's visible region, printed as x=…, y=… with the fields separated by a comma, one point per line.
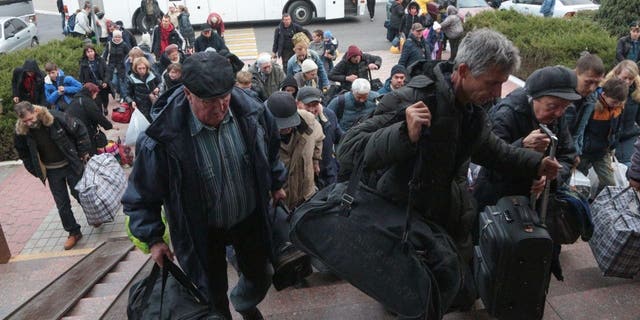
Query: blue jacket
x=71, y=87
x=547, y=7
x=293, y=67
x=414, y=50
x=165, y=174
x=332, y=136
x=350, y=111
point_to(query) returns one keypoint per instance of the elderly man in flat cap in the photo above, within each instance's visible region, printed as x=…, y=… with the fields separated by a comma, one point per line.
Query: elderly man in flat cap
x=211, y=158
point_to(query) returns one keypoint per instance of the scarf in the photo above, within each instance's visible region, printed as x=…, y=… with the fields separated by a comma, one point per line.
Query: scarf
x=29, y=84
x=164, y=37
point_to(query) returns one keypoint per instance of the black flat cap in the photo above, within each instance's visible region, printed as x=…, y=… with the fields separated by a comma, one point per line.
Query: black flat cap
x=284, y=109
x=208, y=75
x=557, y=81
x=309, y=94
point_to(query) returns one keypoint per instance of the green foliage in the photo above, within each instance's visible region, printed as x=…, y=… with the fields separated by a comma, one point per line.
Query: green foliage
x=548, y=41
x=66, y=54
x=616, y=15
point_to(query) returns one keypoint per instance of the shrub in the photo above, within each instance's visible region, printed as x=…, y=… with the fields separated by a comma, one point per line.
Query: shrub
x=65, y=54
x=616, y=15
x=548, y=41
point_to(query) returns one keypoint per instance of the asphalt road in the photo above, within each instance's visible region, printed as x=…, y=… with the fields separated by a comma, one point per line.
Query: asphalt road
x=352, y=30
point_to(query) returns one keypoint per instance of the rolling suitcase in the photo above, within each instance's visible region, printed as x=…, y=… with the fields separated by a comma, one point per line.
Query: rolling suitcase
x=512, y=260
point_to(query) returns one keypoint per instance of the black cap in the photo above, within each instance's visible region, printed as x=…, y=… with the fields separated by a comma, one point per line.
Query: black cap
x=208, y=75
x=557, y=81
x=309, y=94
x=284, y=109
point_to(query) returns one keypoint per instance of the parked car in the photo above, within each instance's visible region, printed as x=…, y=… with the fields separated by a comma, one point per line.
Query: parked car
x=17, y=34
x=562, y=9
x=468, y=8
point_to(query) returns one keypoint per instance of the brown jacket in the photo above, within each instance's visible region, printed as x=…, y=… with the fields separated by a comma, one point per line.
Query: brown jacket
x=299, y=155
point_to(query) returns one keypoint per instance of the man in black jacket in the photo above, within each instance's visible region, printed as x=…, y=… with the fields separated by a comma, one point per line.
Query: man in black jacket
x=210, y=200
x=209, y=39
x=282, y=39
x=163, y=35
x=629, y=46
x=54, y=146
x=448, y=103
x=354, y=65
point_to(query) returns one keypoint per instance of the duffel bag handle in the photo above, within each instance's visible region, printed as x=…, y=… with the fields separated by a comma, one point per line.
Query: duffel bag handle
x=349, y=195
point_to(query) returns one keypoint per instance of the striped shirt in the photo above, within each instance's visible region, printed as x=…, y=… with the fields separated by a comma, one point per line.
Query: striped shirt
x=225, y=170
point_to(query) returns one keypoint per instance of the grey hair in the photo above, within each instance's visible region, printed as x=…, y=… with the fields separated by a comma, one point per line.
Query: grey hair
x=360, y=86
x=485, y=48
x=23, y=108
x=263, y=58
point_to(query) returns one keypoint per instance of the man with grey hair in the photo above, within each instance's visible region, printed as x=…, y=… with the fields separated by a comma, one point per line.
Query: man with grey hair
x=267, y=76
x=437, y=120
x=355, y=104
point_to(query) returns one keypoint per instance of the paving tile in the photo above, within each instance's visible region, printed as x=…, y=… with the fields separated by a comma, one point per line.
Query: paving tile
x=616, y=302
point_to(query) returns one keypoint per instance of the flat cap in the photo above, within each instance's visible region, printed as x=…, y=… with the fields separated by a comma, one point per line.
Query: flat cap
x=556, y=81
x=208, y=75
x=309, y=94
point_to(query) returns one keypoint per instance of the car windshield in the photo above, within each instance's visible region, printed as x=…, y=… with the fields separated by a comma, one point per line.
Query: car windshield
x=575, y=2
x=471, y=4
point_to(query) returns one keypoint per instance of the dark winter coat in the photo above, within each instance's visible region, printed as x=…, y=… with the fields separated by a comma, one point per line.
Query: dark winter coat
x=601, y=132
x=396, y=14
x=282, y=37
x=332, y=136
x=174, y=38
x=164, y=175
x=186, y=29
x=458, y=133
x=68, y=133
x=139, y=91
x=630, y=121
x=345, y=68
x=413, y=50
x=18, y=89
x=408, y=21
x=214, y=41
x=265, y=88
x=623, y=47
x=114, y=56
x=84, y=108
x=513, y=120
x=99, y=76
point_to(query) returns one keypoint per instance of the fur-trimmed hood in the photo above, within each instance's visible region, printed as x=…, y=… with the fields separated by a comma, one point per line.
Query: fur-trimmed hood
x=44, y=116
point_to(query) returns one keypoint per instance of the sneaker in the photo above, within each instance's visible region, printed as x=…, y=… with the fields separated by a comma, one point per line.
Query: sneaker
x=252, y=314
x=371, y=19
x=72, y=240
x=292, y=266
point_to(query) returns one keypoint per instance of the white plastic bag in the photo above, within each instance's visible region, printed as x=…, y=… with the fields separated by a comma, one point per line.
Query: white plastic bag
x=581, y=184
x=137, y=125
x=619, y=173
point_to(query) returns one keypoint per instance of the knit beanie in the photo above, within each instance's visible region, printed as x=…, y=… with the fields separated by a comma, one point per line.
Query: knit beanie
x=398, y=68
x=308, y=65
x=353, y=51
x=328, y=35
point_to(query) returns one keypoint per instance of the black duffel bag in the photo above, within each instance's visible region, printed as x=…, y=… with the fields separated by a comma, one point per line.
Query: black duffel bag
x=409, y=265
x=168, y=296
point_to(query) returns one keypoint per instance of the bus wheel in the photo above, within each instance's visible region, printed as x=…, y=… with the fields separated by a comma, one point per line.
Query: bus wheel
x=301, y=12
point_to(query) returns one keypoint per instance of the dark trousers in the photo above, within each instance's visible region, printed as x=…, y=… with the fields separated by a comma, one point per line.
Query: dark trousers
x=64, y=22
x=371, y=5
x=286, y=55
x=454, y=43
x=248, y=241
x=59, y=179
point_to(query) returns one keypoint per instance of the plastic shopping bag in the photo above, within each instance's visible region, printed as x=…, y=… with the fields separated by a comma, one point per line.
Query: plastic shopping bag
x=137, y=125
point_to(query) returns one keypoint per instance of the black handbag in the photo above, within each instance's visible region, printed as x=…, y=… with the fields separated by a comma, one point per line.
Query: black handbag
x=568, y=217
x=170, y=296
x=376, y=84
x=100, y=139
x=409, y=265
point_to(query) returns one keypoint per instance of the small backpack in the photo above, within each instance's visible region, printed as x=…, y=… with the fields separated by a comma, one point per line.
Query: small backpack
x=71, y=23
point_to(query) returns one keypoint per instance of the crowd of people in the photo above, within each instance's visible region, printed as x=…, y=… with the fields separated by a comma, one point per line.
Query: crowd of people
x=224, y=147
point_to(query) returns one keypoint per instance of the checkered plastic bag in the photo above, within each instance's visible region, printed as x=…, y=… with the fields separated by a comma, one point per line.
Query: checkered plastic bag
x=616, y=236
x=101, y=188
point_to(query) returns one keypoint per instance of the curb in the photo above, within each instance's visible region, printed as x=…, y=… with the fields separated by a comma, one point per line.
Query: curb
x=10, y=163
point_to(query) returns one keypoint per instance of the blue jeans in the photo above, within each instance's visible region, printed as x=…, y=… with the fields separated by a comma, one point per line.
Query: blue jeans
x=58, y=180
x=120, y=84
x=252, y=254
x=64, y=22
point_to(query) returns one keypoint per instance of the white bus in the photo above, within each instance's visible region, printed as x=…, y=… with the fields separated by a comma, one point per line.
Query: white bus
x=301, y=11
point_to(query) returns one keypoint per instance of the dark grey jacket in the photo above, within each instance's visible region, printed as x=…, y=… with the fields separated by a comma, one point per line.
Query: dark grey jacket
x=457, y=134
x=623, y=47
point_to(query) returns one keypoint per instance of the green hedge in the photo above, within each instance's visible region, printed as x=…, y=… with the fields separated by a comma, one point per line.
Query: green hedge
x=66, y=54
x=548, y=41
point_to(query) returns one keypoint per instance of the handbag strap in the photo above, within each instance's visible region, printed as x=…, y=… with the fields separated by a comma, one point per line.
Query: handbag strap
x=182, y=278
x=354, y=180
x=415, y=184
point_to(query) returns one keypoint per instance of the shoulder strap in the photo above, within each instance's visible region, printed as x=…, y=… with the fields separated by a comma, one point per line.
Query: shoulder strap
x=340, y=108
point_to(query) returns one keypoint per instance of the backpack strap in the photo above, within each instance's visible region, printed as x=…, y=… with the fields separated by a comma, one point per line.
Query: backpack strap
x=340, y=108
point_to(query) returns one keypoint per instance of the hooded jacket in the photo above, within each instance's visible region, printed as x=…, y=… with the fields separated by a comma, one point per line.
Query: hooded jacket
x=408, y=20
x=164, y=174
x=84, y=108
x=71, y=87
x=452, y=26
x=214, y=41
x=67, y=132
x=17, y=83
x=513, y=120
x=289, y=81
x=458, y=133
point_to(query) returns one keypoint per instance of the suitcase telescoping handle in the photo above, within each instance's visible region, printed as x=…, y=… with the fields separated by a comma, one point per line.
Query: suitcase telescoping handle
x=547, y=186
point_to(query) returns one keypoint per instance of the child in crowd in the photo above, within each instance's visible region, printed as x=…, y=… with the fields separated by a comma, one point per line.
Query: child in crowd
x=243, y=81
x=434, y=39
x=330, y=49
x=171, y=77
